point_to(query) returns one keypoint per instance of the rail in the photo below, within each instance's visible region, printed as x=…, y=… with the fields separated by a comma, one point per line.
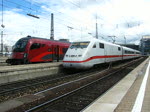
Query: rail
x=73, y=86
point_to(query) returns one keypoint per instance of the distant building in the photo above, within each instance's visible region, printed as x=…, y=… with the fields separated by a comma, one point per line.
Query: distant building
x=145, y=45
x=6, y=49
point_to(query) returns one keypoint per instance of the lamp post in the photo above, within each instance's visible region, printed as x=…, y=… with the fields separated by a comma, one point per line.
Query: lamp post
x=125, y=39
x=3, y=26
x=2, y=42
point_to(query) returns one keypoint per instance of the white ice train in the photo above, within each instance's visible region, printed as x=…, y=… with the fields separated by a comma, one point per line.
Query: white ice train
x=86, y=54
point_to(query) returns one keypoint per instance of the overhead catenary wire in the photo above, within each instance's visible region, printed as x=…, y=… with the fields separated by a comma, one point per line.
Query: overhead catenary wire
x=29, y=8
x=65, y=22
x=32, y=9
x=59, y=22
x=39, y=5
x=19, y=5
x=79, y=22
x=42, y=16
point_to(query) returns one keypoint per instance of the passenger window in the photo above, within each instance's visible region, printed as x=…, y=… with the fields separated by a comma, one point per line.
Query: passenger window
x=101, y=45
x=119, y=48
x=35, y=46
x=94, y=46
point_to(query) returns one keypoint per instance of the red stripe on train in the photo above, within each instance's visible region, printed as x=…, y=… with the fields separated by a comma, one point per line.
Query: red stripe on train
x=97, y=57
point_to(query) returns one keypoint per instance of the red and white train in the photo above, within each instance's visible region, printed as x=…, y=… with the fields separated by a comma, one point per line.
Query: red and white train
x=32, y=49
x=86, y=54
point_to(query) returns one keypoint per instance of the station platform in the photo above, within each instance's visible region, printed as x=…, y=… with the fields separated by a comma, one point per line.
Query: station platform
x=14, y=73
x=131, y=94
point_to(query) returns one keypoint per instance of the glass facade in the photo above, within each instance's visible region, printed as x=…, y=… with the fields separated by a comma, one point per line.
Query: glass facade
x=145, y=45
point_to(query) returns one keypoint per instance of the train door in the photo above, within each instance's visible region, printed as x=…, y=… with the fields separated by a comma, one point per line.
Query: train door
x=34, y=51
x=122, y=53
x=97, y=53
x=105, y=53
x=108, y=52
x=93, y=54
x=55, y=52
x=102, y=52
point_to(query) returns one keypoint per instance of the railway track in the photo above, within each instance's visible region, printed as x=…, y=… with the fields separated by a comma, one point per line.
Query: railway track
x=20, y=88
x=78, y=99
x=66, y=92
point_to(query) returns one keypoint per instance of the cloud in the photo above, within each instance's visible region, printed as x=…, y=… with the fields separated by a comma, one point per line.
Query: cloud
x=74, y=19
x=18, y=25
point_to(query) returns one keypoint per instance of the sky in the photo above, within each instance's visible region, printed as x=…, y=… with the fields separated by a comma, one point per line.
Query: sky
x=126, y=21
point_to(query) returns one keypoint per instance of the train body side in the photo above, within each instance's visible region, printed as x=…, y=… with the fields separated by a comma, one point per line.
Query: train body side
x=96, y=52
x=46, y=51
x=129, y=53
x=37, y=50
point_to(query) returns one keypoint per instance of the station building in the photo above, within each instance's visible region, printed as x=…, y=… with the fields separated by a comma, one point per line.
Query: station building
x=145, y=45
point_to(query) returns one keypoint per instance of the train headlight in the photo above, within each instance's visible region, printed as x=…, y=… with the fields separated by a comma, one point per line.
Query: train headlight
x=25, y=55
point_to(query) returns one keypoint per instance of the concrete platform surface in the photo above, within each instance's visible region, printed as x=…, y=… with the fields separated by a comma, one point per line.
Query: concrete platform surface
x=22, y=72
x=121, y=98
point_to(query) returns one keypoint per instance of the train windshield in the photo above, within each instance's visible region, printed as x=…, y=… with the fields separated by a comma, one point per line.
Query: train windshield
x=20, y=45
x=79, y=45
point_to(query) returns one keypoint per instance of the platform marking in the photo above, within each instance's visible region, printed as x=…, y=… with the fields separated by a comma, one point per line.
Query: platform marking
x=140, y=97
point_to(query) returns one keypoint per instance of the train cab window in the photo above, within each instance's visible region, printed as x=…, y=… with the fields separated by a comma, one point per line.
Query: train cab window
x=119, y=48
x=101, y=45
x=94, y=46
x=79, y=45
x=20, y=45
x=35, y=46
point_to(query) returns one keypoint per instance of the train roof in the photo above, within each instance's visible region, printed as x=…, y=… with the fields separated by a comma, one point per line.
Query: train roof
x=102, y=41
x=31, y=37
x=96, y=40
